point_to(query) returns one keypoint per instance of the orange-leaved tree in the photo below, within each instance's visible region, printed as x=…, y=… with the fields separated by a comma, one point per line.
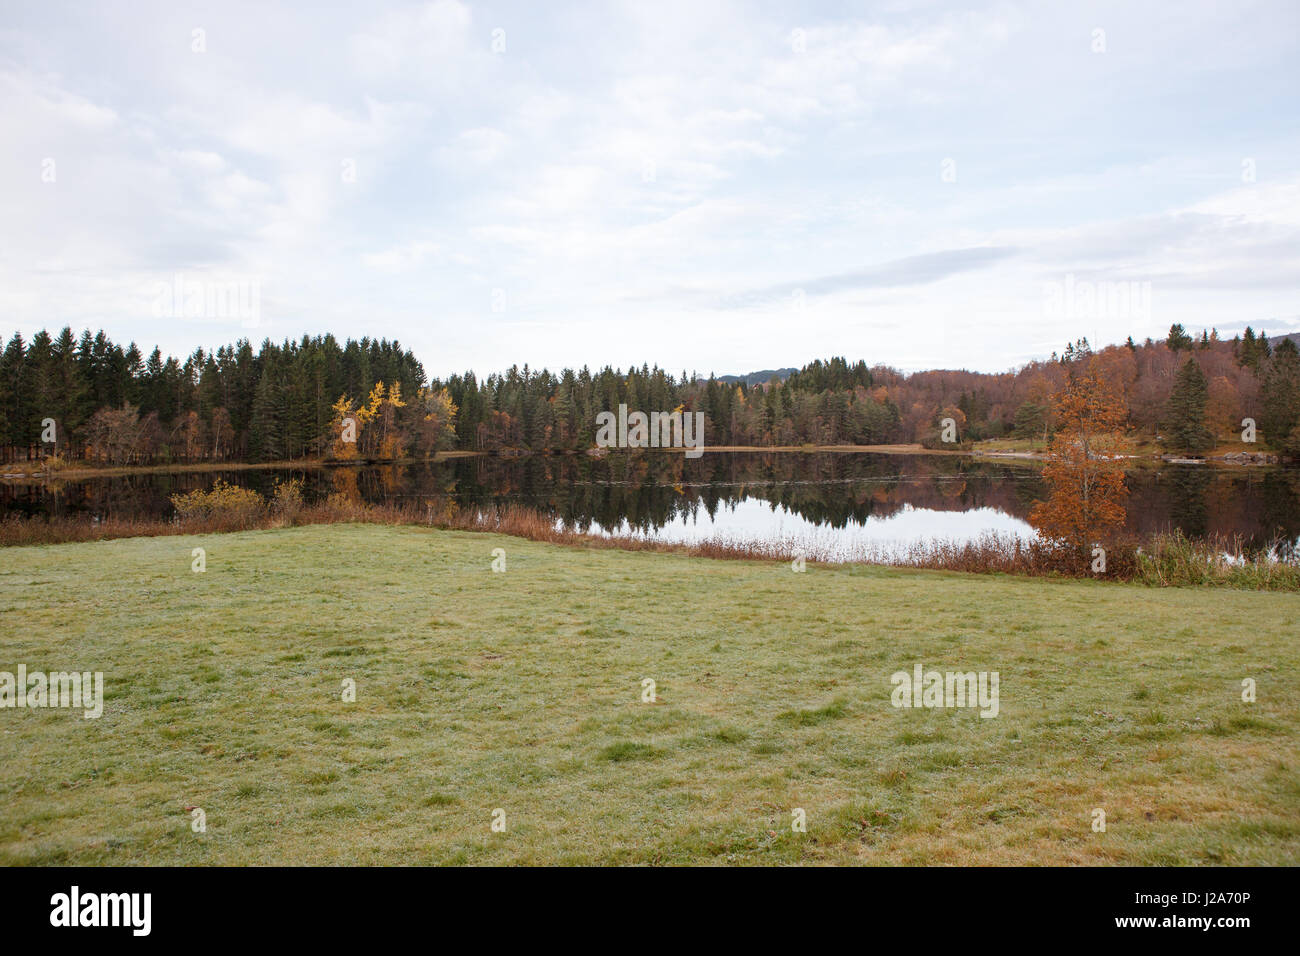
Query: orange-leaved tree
x=1085, y=467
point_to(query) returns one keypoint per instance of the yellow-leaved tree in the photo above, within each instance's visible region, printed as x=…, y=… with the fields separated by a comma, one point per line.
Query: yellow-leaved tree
x=382, y=435
x=343, y=429
x=436, y=427
x=372, y=430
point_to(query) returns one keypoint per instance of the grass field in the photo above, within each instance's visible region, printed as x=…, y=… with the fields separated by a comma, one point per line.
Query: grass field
x=522, y=691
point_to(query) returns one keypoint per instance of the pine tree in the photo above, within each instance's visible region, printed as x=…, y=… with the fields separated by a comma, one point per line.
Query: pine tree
x=266, y=439
x=72, y=391
x=1178, y=338
x=1254, y=349
x=43, y=401
x=1280, y=399
x=135, y=374
x=1030, y=421
x=12, y=394
x=1184, y=426
x=22, y=434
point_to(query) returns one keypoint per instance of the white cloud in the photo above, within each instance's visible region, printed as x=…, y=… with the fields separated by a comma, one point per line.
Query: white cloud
x=402, y=258
x=652, y=182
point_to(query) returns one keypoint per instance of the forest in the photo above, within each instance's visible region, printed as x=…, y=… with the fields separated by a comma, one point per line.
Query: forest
x=87, y=399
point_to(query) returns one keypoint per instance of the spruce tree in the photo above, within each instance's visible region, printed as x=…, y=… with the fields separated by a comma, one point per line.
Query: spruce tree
x=18, y=372
x=43, y=399
x=12, y=394
x=1185, y=428
x=266, y=440
x=1178, y=338
x=72, y=391
x=1248, y=356
x=1280, y=399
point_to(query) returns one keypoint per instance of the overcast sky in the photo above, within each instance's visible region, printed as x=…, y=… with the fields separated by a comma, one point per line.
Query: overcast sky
x=709, y=186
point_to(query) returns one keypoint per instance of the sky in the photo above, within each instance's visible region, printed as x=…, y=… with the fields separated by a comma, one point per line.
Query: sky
x=713, y=187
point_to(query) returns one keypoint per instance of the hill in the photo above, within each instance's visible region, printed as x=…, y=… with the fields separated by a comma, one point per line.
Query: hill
x=758, y=378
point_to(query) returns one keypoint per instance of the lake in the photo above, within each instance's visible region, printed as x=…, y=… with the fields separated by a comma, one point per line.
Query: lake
x=834, y=505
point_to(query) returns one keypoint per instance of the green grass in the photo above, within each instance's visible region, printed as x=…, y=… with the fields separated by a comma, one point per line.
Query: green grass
x=522, y=691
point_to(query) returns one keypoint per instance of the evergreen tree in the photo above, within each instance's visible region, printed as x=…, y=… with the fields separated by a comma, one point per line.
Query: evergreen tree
x=13, y=393
x=1031, y=421
x=1178, y=338
x=1280, y=399
x=71, y=391
x=1248, y=354
x=266, y=439
x=42, y=398
x=135, y=372
x=1184, y=427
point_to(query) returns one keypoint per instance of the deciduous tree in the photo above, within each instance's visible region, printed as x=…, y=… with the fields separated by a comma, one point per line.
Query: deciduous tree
x=1084, y=470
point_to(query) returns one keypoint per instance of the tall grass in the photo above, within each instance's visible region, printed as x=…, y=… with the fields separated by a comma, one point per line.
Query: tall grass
x=1166, y=560
x=1174, y=560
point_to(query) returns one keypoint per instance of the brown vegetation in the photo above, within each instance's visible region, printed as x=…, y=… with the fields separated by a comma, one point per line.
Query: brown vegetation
x=1167, y=560
x=1085, y=470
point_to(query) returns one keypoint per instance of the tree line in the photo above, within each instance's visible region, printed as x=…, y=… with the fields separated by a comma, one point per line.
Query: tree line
x=86, y=398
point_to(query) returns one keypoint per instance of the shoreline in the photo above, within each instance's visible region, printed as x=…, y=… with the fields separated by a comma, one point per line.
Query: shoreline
x=15, y=473
x=1161, y=560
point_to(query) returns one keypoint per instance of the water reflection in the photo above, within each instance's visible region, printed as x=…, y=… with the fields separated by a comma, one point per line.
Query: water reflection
x=847, y=500
x=755, y=520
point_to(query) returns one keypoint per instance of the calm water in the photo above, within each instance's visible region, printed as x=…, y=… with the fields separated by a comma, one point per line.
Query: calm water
x=834, y=504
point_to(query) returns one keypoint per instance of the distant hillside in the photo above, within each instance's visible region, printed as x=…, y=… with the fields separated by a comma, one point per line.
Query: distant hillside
x=758, y=378
x=1273, y=340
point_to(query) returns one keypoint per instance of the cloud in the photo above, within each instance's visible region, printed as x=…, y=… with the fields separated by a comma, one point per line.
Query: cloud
x=655, y=183
x=908, y=271
x=403, y=257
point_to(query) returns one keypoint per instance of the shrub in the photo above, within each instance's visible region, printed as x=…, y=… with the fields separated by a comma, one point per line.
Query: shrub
x=286, y=501
x=225, y=506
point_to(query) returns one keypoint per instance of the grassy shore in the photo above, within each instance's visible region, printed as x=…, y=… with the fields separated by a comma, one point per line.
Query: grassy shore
x=522, y=691
x=1141, y=452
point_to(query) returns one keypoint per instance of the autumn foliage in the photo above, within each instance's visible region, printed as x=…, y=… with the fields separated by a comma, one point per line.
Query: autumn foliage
x=1085, y=468
x=384, y=427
